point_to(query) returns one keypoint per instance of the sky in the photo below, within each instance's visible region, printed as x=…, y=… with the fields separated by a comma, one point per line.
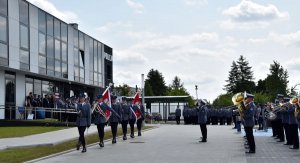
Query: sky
x=196, y=40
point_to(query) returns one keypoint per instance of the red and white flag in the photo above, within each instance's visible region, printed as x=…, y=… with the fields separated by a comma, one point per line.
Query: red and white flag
x=137, y=102
x=107, y=100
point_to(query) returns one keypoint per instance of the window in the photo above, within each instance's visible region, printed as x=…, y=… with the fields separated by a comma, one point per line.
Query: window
x=82, y=73
x=3, y=29
x=64, y=32
x=50, y=25
x=57, y=28
x=57, y=49
x=24, y=56
x=24, y=37
x=42, y=61
x=75, y=37
x=91, y=55
x=64, y=54
x=23, y=8
x=81, y=58
x=50, y=63
x=42, y=21
x=76, y=57
x=100, y=78
x=76, y=71
x=81, y=41
x=99, y=57
x=50, y=47
x=57, y=68
x=64, y=70
x=3, y=7
x=3, y=51
x=42, y=44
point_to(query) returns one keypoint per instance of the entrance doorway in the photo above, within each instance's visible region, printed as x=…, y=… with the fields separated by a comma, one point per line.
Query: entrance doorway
x=10, y=96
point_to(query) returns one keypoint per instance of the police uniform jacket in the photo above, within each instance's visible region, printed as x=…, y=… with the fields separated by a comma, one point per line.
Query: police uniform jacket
x=116, y=109
x=249, y=115
x=126, y=112
x=83, y=115
x=202, y=114
x=292, y=118
x=99, y=118
x=178, y=112
x=285, y=116
x=142, y=110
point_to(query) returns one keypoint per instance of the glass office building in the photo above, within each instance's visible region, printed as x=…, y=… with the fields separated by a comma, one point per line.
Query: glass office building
x=42, y=54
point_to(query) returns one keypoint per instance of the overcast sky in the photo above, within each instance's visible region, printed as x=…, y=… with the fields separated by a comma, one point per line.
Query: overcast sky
x=196, y=40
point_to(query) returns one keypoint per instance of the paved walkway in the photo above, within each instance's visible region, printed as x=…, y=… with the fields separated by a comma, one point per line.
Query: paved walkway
x=168, y=143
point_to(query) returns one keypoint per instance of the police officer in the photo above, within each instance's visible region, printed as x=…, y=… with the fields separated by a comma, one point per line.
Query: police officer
x=286, y=126
x=202, y=119
x=132, y=120
x=83, y=121
x=294, y=137
x=139, y=108
x=99, y=110
x=178, y=115
x=280, y=129
x=115, y=118
x=248, y=118
x=126, y=113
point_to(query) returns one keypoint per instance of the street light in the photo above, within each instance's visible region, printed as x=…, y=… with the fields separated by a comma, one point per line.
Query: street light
x=196, y=87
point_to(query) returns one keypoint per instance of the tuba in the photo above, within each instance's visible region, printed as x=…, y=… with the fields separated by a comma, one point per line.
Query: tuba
x=238, y=100
x=295, y=101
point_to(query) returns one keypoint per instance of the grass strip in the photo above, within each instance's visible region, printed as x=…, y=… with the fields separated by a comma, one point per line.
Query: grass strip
x=10, y=132
x=25, y=154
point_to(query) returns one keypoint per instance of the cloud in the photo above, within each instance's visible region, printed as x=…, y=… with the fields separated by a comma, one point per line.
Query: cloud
x=195, y=2
x=291, y=39
x=248, y=15
x=113, y=26
x=138, y=7
x=67, y=16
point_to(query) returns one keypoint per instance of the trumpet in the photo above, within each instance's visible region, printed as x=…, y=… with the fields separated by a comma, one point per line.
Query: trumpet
x=295, y=101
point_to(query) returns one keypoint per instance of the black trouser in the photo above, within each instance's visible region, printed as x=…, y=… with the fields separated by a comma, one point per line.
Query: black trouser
x=100, y=128
x=139, y=124
x=287, y=131
x=131, y=124
x=124, y=127
x=280, y=131
x=274, y=128
x=81, y=130
x=294, y=135
x=203, y=131
x=178, y=120
x=250, y=137
x=114, y=129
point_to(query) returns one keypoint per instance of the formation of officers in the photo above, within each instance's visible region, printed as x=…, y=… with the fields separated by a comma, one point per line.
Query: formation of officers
x=101, y=114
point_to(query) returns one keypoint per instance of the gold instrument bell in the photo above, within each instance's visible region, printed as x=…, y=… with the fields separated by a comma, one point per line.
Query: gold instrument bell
x=238, y=100
x=295, y=101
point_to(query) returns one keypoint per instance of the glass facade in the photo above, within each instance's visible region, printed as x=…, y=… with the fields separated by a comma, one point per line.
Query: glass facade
x=79, y=56
x=24, y=34
x=3, y=33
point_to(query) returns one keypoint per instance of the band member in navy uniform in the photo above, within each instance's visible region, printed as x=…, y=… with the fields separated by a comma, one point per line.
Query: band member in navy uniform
x=202, y=119
x=126, y=113
x=115, y=118
x=249, y=121
x=293, y=128
x=99, y=111
x=83, y=121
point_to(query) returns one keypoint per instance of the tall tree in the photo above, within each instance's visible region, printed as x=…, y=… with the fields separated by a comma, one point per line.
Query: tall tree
x=148, y=89
x=157, y=83
x=177, y=89
x=277, y=80
x=176, y=84
x=261, y=86
x=232, y=78
x=122, y=90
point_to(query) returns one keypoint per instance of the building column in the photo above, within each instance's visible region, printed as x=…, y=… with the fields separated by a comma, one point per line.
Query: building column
x=20, y=91
x=2, y=94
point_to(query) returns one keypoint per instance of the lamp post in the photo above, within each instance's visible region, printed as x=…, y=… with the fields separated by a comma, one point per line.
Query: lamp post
x=196, y=87
x=143, y=90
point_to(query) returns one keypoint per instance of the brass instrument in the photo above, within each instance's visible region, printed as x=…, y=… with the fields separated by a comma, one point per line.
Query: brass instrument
x=295, y=101
x=238, y=100
x=274, y=109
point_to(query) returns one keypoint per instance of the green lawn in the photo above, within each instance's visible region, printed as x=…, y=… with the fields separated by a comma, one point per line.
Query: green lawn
x=26, y=154
x=9, y=132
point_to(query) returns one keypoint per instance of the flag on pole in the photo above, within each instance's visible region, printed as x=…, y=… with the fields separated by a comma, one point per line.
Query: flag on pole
x=136, y=98
x=107, y=100
x=137, y=102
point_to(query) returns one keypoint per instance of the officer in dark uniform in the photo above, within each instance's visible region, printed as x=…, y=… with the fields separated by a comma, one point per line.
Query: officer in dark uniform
x=248, y=119
x=83, y=121
x=286, y=126
x=126, y=113
x=115, y=118
x=184, y=114
x=178, y=115
x=280, y=129
x=140, y=108
x=99, y=111
x=294, y=137
x=132, y=120
x=202, y=119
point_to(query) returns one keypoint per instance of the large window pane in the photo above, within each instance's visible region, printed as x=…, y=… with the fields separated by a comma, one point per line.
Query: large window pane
x=37, y=87
x=23, y=8
x=24, y=56
x=64, y=32
x=64, y=54
x=3, y=7
x=24, y=37
x=99, y=78
x=95, y=77
x=3, y=51
x=75, y=38
x=50, y=47
x=57, y=28
x=50, y=63
x=76, y=71
x=57, y=66
x=42, y=43
x=81, y=74
x=81, y=41
x=91, y=76
x=64, y=70
x=99, y=57
x=57, y=49
x=42, y=21
x=3, y=29
x=76, y=57
x=81, y=58
x=91, y=48
x=49, y=25
x=42, y=61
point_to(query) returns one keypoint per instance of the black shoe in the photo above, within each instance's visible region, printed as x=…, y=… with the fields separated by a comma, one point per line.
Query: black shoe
x=114, y=141
x=250, y=151
x=280, y=141
x=139, y=133
x=78, y=146
x=293, y=147
x=101, y=144
x=246, y=147
x=83, y=150
x=287, y=144
x=132, y=136
x=124, y=138
x=203, y=141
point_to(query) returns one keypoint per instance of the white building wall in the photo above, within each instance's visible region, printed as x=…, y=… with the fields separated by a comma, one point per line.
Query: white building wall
x=2, y=94
x=70, y=54
x=34, y=38
x=14, y=41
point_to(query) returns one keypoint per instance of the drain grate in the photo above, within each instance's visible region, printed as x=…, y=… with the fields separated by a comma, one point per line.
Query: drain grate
x=137, y=142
